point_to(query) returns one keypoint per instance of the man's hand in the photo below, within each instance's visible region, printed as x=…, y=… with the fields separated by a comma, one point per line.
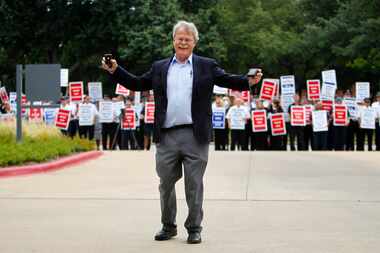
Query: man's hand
x=253, y=80
x=110, y=69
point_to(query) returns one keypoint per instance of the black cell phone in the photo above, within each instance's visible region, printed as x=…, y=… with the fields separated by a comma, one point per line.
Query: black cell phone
x=108, y=58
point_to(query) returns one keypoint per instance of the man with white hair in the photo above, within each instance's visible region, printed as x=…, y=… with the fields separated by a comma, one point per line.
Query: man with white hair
x=183, y=87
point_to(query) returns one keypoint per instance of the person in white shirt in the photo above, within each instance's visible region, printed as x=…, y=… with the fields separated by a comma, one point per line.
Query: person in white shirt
x=376, y=106
x=364, y=130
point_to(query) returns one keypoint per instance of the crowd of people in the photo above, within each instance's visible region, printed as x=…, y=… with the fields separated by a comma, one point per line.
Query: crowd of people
x=350, y=137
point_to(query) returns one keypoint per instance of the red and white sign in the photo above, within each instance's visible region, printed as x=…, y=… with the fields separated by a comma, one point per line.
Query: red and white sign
x=327, y=105
x=340, y=115
x=309, y=110
x=298, y=116
x=149, y=113
x=313, y=89
x=62, y=119
x=277, y=123
x=76, y=91
x=259, y=121
x=36, y=114
x=129, y=119
x=268, y=89
x=24, y=101
x=246, y=96
x=4, y=95
x=121, y=90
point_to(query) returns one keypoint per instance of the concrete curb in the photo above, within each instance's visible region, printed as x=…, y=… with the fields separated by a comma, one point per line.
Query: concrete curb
x=49, y=166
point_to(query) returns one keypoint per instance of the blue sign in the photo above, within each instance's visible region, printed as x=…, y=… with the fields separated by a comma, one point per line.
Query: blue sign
x=218, y=118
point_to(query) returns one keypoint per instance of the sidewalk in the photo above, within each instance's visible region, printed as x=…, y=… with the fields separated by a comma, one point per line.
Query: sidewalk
x=255, y=202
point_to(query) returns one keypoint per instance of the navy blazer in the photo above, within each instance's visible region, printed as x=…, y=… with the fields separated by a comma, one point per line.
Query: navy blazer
x=206, y=73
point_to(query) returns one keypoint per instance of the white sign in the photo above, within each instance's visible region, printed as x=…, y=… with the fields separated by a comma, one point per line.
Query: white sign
x=117, y=106
x=238, y=117
x=320, y=121
x=288, y=85
x=220, y=90
x=95, y=91
x=329, y=85
x=362, y=91
x=64, y=77
x=329, y=76
x=105, y=111
x=368, y=118
x=85, y=115
x=352, y=107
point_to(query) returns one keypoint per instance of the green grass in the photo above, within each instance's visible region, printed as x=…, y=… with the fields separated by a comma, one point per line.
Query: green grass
x=40, y=143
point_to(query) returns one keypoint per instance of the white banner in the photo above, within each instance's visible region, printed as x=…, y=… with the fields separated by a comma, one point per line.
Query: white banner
x=95, y=91
x=220, y=90
x=362, y=91
x=238, y=117
x=86, y=117
x=64, y=77
x=288, y=85
x=319, y=119
x=329, y=85
x=105, y=111
x=368, y=118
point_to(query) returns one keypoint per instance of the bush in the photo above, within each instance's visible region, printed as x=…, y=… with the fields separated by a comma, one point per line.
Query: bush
x=40, y=143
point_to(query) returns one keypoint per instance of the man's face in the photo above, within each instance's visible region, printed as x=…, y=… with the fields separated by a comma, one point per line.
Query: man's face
x=183, y=43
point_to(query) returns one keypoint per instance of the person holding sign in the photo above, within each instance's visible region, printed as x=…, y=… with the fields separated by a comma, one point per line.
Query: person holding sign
x=260, y=133
x=320, y=121
x=276, y=141
x=297, y=130
x=219, y=124
x=340, y=123
x=87, y=113
x=183, y=86
x=353, y=126
x=148, y=118
x=237, y=117
x=128, y=127
x=376, y=106
x=367, y=122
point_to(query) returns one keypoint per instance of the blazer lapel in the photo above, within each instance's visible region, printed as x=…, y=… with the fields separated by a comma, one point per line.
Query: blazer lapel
x=196, y=70
x=164, y=75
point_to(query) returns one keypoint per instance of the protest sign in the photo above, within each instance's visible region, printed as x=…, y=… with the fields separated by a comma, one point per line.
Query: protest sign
x=288, y=85
x=95, y=91
x=259, y=121
x=121, y=90
x=313, y=90
x=218, y=118
x=149, y=113
x=268, y=89
x=49, y=115
x=106, y=111
x=238, y=117
x=64, y=77
x=4, y=95
x=297, y=115
x=36, y=114
x=308, y=111
x=85, y=114
x=352, y=107
x=129, y=119
x=368, y=118
x=62, y=119
x=320, y=123
x=329, y=84
x=327, y=105
x=340, y=115
x=362, y=91
x=220, y=90
x=277, y=121
x=76, y=91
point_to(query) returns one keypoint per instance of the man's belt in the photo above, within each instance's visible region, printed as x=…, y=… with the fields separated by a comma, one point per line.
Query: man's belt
x=177, y=127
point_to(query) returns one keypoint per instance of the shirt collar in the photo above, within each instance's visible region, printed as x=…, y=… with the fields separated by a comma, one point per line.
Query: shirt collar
x=188, y=61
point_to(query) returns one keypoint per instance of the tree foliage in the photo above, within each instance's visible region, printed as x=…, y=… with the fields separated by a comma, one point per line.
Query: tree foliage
x=300, y=37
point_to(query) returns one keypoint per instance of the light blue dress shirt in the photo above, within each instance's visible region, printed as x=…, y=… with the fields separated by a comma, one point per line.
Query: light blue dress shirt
x=179, y=93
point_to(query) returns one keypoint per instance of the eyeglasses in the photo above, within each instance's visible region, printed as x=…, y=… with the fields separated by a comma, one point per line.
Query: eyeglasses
x=184, y=40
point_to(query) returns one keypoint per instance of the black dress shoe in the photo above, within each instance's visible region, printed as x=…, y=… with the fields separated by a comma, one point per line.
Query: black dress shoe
x=164, y=234
x=194, y=238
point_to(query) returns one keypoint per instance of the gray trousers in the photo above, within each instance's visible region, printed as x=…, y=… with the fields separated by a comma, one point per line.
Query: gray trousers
x=178, y=148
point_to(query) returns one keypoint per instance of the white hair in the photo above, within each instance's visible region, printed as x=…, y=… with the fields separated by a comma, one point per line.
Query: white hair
x=189, y=26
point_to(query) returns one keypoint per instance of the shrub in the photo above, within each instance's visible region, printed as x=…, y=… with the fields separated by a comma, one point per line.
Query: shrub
x=40, y=143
